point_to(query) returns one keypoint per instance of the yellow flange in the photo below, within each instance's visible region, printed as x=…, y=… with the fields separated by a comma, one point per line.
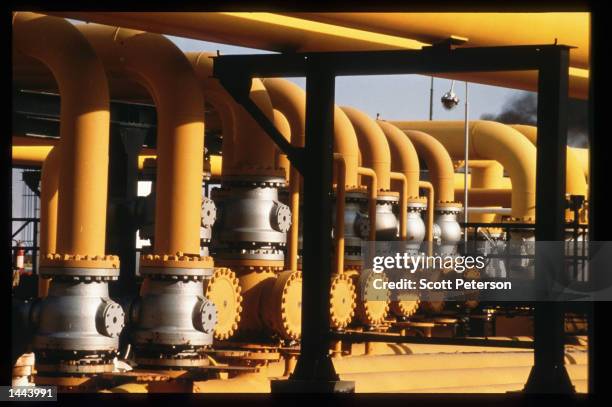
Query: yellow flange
x=404, y=308
x=282, y=306
x=372, y=305
x=179, y=260
x=79, y=261
x=341, y=301
x=223, y=290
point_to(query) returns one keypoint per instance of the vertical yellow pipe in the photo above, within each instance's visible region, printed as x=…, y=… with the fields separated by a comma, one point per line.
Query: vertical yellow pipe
x=49, y=182
x=430, y=213
x=404, y=157
x=280, y=158
x=398, y=176
x=84, y=127
x=340, y=205
x=180, y=127
x=372, y=196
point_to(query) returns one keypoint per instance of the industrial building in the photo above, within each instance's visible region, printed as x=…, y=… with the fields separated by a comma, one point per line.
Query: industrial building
x=198, y=223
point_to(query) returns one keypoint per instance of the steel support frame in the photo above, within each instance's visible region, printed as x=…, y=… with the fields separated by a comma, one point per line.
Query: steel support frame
x=235, y=72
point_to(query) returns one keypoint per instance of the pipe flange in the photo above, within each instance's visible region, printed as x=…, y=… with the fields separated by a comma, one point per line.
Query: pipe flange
x=208, y=213
x=280, y=218
x=448, y=208
x=205, y=316
x=417, y=204
x=282, y=308
x=176, y=273
x=80, y=273
x=177, y=261
x=341, y=301
x=405, y=308
x=373, y=305
x=110, y=318
x=224, y=291
x=53, y=264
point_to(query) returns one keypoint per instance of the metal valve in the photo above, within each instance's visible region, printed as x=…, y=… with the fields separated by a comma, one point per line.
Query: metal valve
x=110, y=318
x=362, y=226
x=205, y=316
x=208, y=213
x=281, y=217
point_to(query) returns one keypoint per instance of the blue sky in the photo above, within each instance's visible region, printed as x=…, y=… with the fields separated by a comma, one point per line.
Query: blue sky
x=398, y=97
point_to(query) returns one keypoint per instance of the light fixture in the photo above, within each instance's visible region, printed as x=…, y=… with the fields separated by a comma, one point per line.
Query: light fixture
x=450, y=99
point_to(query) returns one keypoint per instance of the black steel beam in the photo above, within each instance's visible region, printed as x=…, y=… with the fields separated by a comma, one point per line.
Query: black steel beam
x=427, y=60
x=549, y=373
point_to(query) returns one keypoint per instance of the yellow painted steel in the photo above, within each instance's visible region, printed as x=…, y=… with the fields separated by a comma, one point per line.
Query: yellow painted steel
x=575, y=181
x=490, y=197
x=373, y=145
x=428, y=186
x=223, y=290
x=49, y=184
x=485, y=174
x=180, y=128
x=368, y=31
x=491, y=141
x=84, y=128
x=30, y=155
x=372, y=196
x=290, y=99
x=439, y=164
x=582, y=154
x=481, y=29
x=280, y=158
x=404, y=156
x=403, y=217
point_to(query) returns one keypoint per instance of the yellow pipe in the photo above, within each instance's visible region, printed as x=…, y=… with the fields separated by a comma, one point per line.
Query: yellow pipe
x=493, y=141
x=295, y=184
x=575, y=181
x=372, y=197
x=30, y=155
x=49, y=183
x=428, y=186
x=485, y=174
x=340, y=205
x=280, y=158
x=84, y=127
x=439, y=164
x=501, y=197
x=401, y=177
x=582, y=154
x=218, y=98
x=290, y=99
x=404, y=156
x=180, y=127
x=504, y=183
x=373, y=146
x=283, y=33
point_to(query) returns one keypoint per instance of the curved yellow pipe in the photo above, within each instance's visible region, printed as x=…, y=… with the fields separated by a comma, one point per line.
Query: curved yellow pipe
x=439, y=164
x=404, y=157
x=218, y=98
x=493, y=141
x=290, y=99
x=485, y=175
x=180, y=127
x=575, y=181
x=373, y=145
x=49, y=183
x=84, y=127
x=280, y=159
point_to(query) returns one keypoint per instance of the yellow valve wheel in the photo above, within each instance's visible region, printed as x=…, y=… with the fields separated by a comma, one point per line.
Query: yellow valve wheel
x=282, y=307
x=372, y=305
x=223, y=290
x=341, y=301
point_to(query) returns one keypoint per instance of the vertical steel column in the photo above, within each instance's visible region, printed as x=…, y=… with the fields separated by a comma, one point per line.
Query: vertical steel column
x=548, y=374
x=314, y=371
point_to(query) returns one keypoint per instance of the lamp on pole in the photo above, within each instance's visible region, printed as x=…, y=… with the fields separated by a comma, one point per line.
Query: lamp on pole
x=449, y=101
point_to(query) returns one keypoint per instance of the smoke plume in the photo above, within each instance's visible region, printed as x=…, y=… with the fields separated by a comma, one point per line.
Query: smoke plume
x=522, y=109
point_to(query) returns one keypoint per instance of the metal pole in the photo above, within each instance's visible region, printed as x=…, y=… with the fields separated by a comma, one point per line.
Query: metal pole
x=431, y=99
x=466, y=168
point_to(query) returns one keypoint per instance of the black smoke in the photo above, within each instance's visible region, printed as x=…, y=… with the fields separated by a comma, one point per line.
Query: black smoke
x=522, y=109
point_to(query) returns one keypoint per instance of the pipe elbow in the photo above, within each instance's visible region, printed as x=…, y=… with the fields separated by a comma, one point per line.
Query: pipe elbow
x=404, y=157
x=373, y=145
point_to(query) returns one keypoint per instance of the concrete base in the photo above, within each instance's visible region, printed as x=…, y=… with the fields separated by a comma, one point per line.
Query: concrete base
x=311, y=386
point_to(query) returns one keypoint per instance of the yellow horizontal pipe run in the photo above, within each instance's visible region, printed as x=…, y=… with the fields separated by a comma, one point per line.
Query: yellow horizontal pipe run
x=284, y=33
x=30, y=155
x=504, y=183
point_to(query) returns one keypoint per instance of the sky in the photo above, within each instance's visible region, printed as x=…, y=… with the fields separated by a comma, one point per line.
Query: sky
x=394, y=97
